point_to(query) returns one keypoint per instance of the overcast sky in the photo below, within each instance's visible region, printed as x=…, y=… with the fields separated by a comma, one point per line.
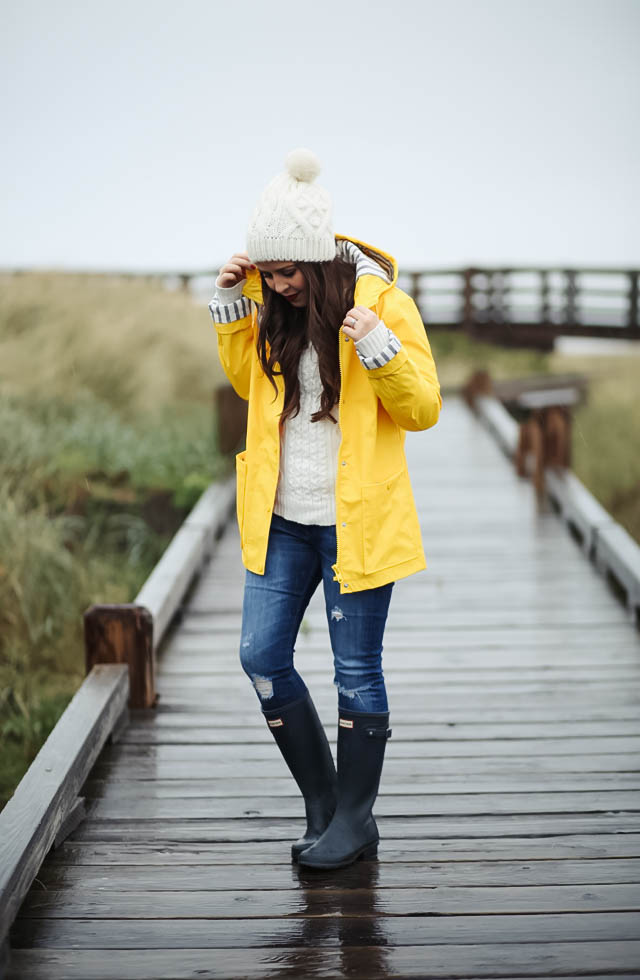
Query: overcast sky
x=139, y=134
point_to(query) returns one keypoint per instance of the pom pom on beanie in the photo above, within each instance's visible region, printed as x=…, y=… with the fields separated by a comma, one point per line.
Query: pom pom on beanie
x=292, y=221
x=303, y=165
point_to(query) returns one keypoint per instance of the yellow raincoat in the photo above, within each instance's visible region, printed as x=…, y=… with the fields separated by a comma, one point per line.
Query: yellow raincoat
x=377, y=527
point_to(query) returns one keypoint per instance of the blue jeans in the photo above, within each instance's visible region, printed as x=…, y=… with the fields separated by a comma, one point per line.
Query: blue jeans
x=299, y=557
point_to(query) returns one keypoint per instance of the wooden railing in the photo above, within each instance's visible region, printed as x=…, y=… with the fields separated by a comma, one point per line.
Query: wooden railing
x=121, y=643
x=604, y=541
x=528, y=306
x=514, y=306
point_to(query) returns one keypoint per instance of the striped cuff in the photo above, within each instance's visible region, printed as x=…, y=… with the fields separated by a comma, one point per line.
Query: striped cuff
x=378, y=346
x=229, y=305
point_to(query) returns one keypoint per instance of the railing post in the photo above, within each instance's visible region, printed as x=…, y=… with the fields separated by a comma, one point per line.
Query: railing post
x=571, y=292
x=531, y=445
x=123, y=634
x=632, y=320
x=414, y=288
x=468, y=311
x=557, y=436
x=497, y=298
x=479, y=383
x=545, y=308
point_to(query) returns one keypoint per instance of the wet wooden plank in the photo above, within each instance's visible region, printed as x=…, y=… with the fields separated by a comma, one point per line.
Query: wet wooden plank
x=436, y=683
x=214, y=807
x=199, y=728
x=454, y=617
x=450, y=714
x=186, y=877
x=241, y=785
x=257, y=755
x=475, y=642
x=620, y=694
x=136, y=933
x=377, y=961
x=310, y=900
x=250, y=828
x=398, y=748
x=457, y=853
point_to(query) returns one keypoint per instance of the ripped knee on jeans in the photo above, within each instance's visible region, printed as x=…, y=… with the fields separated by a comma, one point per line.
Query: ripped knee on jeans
x=352, y=693
x=263, y=686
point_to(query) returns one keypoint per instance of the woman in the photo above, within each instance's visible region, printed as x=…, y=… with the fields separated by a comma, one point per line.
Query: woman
x=335, y=363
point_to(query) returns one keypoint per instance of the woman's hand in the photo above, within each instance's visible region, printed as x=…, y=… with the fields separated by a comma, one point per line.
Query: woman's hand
x=234, y=271
x=359, y=321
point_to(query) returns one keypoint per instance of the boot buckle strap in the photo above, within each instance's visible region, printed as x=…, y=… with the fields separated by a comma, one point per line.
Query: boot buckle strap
x=378, y=732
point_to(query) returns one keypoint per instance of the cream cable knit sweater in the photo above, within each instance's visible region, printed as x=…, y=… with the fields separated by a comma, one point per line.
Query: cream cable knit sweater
x=308, y=454
x=309, y=450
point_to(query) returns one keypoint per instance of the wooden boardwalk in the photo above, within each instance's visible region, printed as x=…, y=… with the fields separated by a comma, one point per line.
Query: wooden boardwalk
x=509, y=798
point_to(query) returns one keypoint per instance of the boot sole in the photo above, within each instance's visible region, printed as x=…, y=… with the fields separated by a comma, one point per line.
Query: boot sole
x=365, y=853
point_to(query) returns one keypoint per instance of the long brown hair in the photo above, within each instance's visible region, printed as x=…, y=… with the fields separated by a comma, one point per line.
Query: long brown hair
x=288, y=331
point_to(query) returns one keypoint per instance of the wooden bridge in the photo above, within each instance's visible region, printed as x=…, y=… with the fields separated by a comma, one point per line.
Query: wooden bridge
x=510, y=795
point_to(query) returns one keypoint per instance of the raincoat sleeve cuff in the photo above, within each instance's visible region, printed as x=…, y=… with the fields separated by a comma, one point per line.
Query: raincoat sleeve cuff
x=378, y=346
x=229, y=305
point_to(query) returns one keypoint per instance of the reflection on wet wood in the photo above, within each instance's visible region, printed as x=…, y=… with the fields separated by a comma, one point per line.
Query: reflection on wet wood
x=378, y=962
x=319, y=931
x=393, y=872
x=428, y=900
x=509, y=806
x=448, y=852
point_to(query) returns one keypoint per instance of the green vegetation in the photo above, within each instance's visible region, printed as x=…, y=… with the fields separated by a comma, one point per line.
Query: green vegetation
x=106, y=441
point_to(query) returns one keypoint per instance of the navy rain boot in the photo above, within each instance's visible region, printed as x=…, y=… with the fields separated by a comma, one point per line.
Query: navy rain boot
x=303, y=743
x=352, y=833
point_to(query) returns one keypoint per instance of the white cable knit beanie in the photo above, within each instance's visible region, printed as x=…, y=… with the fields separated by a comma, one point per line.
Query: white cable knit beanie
x=293, y=220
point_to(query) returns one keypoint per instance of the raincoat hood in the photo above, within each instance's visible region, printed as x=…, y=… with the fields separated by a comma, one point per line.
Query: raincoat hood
x=369, y=287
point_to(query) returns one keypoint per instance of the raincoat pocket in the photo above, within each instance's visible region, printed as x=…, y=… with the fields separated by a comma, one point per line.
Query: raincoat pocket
x=390, y=525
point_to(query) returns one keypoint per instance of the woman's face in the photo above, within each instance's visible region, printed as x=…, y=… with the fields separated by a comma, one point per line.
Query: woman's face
x=287, y=279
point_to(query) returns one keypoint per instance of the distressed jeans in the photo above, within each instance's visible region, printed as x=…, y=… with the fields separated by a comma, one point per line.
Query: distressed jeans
x=299, y=557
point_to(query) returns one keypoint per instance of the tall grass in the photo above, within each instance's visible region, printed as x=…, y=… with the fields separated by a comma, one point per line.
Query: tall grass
x=606, y=433
x=135, y=345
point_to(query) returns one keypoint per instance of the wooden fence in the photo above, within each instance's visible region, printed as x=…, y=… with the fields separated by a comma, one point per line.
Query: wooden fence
x=513, y=306
x=529, y=306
